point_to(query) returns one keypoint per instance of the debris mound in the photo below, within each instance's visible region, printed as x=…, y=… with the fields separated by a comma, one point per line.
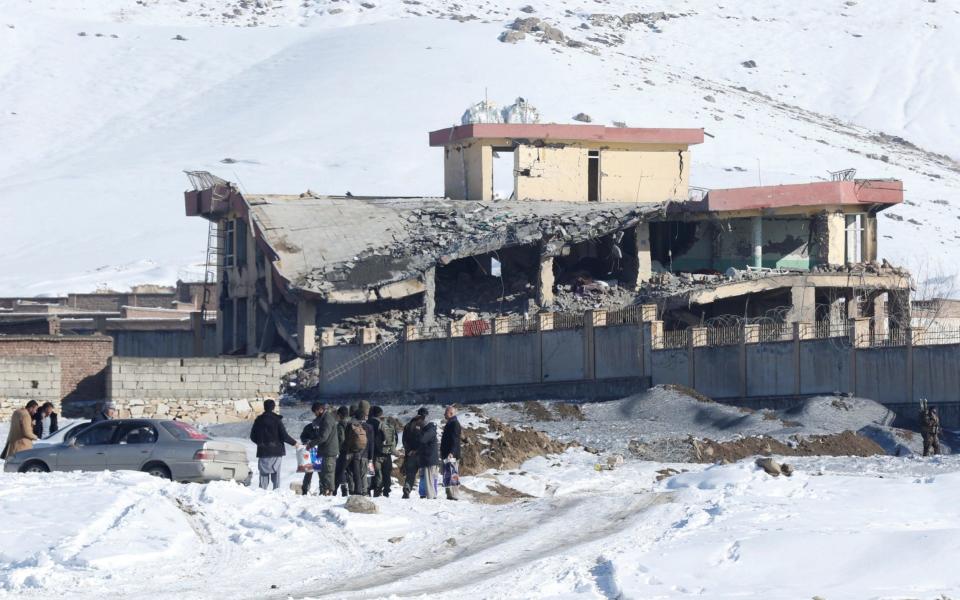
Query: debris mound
x=497, y=445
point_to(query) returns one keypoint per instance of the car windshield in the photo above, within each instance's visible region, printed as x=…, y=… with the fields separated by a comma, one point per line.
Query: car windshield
x=70, y=431
x=183, y=431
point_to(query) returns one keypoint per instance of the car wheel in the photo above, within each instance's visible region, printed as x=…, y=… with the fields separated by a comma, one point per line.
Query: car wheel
x=34, y=466
x=157, y=470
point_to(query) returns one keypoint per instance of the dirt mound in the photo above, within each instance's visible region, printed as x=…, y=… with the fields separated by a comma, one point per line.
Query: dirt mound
x=496, y=445
x=537, y=411
x=684, y=390
x=847, y=443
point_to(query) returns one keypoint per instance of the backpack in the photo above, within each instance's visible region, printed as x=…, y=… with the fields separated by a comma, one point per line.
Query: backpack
x=356, y=437
x=388, y=443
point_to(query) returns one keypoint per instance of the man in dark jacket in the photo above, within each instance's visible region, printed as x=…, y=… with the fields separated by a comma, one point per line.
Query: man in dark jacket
x=450, y=445
x=321, y=434
x=269, y=434
x=344, y=483
x=45, y=411
x=411, y=440
x=428, y=457
x=384, y=445
x=360, y=460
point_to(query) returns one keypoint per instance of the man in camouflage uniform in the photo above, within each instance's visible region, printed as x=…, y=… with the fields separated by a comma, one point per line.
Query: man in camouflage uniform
x=930, y=430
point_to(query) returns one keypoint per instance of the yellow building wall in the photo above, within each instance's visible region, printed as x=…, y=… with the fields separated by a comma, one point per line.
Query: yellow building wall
x=551, y=173
x=644, y=176
x=468, y=172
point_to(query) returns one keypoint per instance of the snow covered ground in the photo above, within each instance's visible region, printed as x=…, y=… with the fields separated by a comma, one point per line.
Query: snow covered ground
x=839, y=528
x=101, y=108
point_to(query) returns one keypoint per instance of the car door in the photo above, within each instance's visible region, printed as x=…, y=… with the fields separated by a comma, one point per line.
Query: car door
x=135, y=443
x=88, y=450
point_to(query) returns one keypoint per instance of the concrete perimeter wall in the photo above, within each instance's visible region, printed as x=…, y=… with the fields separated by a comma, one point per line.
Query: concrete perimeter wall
x=193, y=389
x=25, y=378
x=896, y=376
x=570, y=355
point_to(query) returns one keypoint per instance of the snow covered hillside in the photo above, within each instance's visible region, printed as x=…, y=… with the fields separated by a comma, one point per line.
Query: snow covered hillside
x=104, y=102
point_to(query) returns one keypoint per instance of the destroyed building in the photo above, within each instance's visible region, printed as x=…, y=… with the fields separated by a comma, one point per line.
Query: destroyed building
x=595, y=216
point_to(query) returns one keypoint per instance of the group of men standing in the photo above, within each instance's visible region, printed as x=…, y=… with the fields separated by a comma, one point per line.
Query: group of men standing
x=27, y=426
x=355, y=447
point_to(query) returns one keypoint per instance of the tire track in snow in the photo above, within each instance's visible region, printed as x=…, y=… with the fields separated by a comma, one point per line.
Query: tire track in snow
x=549, y=533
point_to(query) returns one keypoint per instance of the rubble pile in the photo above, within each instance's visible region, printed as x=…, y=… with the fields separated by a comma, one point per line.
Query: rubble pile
x=445, y=231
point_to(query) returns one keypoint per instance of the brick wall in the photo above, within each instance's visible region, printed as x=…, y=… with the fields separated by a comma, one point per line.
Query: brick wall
x=25, y=378
x=207, y=390
x=83, y=361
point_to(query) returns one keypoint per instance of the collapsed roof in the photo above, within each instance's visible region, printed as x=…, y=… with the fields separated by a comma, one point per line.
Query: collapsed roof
x=359, y=249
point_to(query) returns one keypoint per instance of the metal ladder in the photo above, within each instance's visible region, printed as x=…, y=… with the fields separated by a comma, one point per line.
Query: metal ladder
x=375, y=352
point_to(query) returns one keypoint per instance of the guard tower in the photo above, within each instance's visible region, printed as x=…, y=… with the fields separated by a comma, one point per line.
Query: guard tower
x=568, y=163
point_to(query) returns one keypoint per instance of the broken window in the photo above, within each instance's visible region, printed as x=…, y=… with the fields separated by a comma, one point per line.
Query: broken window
x=229, y=243
x=670, y=241
x=240, y=235
x=854, y=230
x=593, y=176
x=504, y=176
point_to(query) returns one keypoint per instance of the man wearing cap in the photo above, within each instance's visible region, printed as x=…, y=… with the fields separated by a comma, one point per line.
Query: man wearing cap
x=107, y=412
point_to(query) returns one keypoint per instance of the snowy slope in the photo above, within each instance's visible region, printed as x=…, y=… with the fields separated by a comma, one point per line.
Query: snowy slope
x=336, y=96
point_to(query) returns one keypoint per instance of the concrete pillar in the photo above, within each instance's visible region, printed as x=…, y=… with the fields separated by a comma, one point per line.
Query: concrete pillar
x=429, y=295
x=648, y=312
x=251, y=307
x=757, y=223
x=830, y=239
x=411, y=332
x=196, y=325
x=639, y=267
x=803, y=306
x=881, y=325
x=455, y=329
x=328, y=337
x=306, y=327
x=868, y=237
x=545, y=282
x=698, y=336
x=545, y=321
x=366, y=335
x=656, y=335
x=597, y=318
x=860, y=332
x=501, y=325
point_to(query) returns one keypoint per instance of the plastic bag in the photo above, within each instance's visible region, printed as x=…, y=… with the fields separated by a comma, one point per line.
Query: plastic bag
x=316, y=461
x=451, y=474
x=304, y=464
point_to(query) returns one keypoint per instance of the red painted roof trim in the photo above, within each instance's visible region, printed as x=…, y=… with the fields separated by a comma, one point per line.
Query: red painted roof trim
x=861, y=191
x=573, y=133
